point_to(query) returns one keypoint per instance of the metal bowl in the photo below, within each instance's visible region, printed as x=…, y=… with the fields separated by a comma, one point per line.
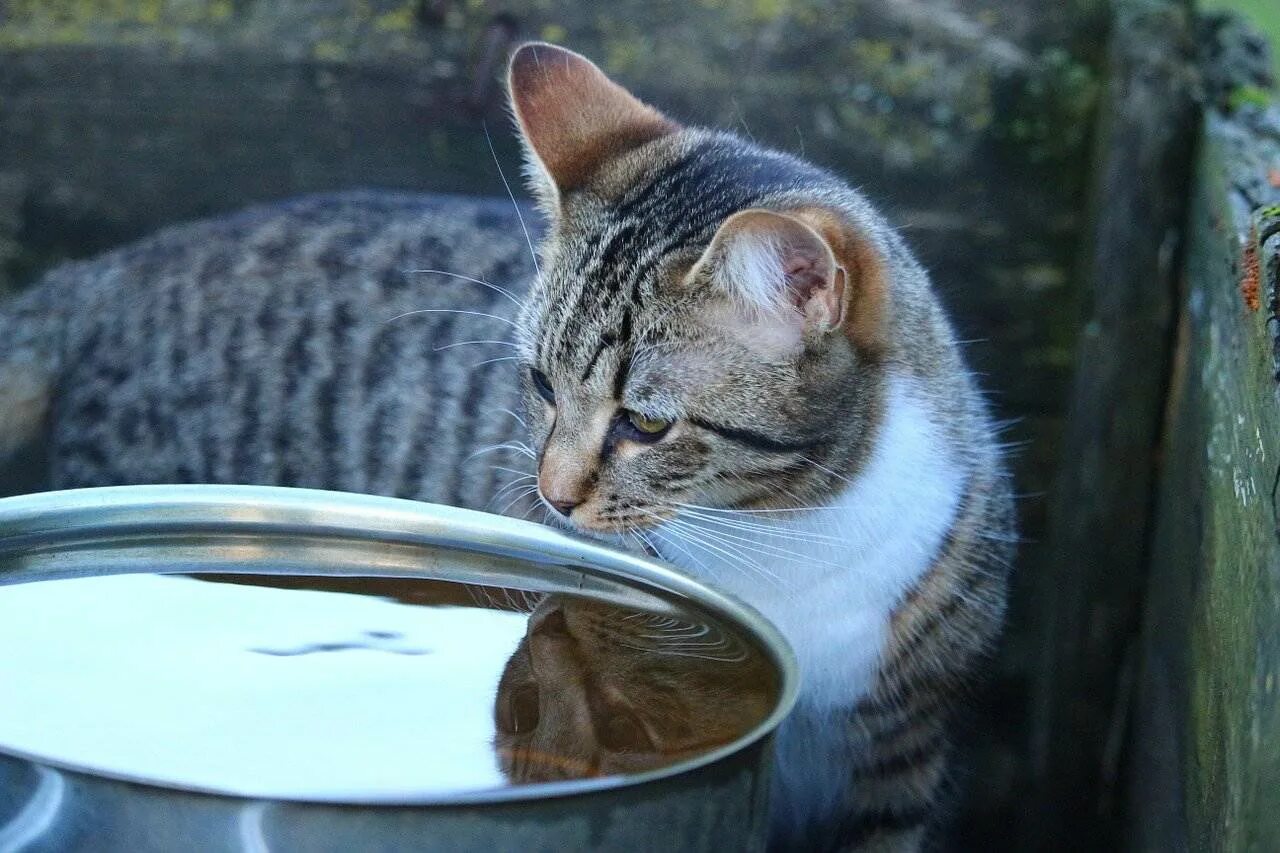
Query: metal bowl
x=714, y=800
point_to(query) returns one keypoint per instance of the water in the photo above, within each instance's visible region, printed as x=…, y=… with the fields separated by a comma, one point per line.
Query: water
x=361, y=689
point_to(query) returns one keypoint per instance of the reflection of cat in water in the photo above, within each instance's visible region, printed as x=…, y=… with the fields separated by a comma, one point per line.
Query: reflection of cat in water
x=595, y=690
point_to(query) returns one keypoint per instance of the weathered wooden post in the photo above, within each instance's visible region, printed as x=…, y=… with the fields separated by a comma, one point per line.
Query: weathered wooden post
x=1099, y=508
x=1205, y=768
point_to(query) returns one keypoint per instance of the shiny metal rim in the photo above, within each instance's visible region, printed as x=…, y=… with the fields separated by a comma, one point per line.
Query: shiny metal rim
x=73, y=533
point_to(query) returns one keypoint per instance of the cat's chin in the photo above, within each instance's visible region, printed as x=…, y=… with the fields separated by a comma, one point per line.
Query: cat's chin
x=604, y=532
x=615, y=534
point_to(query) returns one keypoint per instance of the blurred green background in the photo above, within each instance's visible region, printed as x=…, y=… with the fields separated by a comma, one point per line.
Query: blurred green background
x=1265, y=14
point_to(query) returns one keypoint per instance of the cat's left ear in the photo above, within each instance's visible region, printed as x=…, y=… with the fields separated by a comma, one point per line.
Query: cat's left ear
x=795, y=277
x=573, y=118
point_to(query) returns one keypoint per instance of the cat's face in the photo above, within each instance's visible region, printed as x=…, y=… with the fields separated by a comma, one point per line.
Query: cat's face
x=705, y=327
x=595, y=691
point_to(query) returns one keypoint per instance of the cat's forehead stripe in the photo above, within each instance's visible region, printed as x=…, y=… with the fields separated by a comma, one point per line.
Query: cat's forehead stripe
x=677, y=209
x=605, y=341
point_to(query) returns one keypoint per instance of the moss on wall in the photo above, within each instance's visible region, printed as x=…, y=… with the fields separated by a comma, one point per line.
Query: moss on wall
x=1212, y=649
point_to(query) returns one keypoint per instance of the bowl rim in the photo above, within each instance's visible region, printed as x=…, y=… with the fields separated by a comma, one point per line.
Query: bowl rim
x=64, y=534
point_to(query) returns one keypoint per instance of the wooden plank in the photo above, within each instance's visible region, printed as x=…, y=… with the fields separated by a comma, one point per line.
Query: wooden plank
x=1098, y=525
x=1208, y=715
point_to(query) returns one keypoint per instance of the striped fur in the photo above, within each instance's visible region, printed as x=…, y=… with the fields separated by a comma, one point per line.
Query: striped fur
x=268, y=348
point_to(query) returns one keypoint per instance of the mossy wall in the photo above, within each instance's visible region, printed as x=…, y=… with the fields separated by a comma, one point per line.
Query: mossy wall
x=1205, y=773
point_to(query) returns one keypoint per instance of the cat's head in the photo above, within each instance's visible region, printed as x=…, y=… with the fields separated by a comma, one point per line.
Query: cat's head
x=593, y=690
x=709, y=322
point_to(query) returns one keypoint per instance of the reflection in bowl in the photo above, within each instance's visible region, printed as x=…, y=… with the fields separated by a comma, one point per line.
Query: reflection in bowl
x=596, y=690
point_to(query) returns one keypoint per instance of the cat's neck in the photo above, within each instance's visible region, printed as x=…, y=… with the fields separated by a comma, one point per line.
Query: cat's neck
x=830, y=577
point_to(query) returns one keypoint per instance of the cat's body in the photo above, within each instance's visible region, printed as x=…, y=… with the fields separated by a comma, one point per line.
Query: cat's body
x=829, y=459
x=271, y=347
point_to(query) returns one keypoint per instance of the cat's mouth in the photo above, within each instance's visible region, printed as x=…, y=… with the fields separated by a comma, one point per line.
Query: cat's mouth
x=613, y=527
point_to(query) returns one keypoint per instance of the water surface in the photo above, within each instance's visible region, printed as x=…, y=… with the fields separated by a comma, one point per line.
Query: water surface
x=361, y=689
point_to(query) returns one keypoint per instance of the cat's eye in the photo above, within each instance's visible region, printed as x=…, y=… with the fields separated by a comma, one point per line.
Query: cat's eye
x=620, y=731
x=650, y=429
x=542, y=385
x=522, y=712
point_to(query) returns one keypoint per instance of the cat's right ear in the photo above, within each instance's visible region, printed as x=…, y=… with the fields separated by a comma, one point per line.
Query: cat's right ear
x=573, y=118
x=794, y=278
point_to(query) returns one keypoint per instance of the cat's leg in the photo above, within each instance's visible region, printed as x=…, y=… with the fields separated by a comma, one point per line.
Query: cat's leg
x=898, y=775
x=24, y=401
x=939, y=638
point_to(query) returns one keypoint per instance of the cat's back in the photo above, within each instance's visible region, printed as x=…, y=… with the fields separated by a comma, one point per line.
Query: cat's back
x=276, y=346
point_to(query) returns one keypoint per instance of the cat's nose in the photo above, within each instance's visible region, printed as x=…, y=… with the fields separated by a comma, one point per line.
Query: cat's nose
x=564, y=507
x=562, y=496
x=561, y=479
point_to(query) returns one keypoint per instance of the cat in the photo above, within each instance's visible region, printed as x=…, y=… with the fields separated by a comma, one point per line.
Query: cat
x=720, y=354
x=594, y=690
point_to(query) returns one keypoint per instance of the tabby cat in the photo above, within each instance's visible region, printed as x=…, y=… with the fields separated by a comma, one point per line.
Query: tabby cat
x=721, y=354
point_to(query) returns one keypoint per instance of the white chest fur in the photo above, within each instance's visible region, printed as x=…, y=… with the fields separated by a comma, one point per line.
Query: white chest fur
x=830, y=578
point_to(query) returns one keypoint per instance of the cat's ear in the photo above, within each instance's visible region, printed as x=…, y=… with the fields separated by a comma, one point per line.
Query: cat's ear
x=794, y=278
x=782, y=274
x=572, y=118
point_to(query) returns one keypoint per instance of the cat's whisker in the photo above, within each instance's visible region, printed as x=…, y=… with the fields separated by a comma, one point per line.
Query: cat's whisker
x=504, y=491
x=764, y=548
x=479, y=281
x=688, y=631
x=736, y=658
x=730, y=540
x=826, y=470
x=452, y=311
x=493, y=360
x=644, y=537
x=676, y=542
x=519, y=419
x=731, y=511
x=724, y=536
x=483, y=597
x=533, y=253
x=776, y=530
x=717, y=639
x=522, y=480
x=695, y=651
x=516, y=446
x=679, y=539
x=699, y=539
x=524, y=475
x=520, y=495
x=444, y=347
x=768, y=530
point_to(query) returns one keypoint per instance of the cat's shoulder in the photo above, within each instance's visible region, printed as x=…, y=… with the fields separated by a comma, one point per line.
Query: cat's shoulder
x=360, y=227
